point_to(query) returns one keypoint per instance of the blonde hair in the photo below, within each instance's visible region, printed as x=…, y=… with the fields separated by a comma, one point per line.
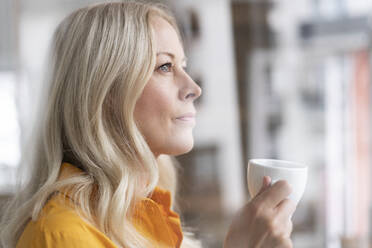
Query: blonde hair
x=102, y=57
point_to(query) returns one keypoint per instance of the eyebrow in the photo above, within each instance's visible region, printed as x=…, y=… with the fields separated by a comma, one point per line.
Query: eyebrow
x=170, y=55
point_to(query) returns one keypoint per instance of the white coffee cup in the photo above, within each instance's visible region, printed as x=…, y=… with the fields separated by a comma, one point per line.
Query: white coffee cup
x=294, y=173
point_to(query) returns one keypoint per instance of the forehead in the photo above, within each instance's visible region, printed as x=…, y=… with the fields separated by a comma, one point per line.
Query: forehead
x=166, y=38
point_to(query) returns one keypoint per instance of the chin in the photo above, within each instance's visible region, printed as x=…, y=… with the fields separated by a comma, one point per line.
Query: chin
x=182, y=149
x=179, y=148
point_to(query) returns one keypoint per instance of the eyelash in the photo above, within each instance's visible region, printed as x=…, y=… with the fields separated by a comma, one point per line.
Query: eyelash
x=170, y=67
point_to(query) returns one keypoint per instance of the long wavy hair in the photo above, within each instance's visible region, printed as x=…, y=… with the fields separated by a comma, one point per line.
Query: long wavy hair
x=102, y=56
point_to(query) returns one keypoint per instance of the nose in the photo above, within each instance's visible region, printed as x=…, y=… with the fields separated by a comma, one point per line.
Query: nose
x=190, y=90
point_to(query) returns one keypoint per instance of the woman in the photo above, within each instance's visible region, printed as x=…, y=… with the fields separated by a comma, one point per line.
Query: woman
x=119, y=104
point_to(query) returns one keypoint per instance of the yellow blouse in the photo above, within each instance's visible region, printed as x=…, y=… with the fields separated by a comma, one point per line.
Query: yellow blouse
x=59, y=225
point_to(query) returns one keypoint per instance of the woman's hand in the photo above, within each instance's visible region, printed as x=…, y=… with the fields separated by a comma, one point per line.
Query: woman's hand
x=264, y=222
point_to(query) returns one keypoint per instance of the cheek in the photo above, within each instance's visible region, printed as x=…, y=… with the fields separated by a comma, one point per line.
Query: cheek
x=154, y=110
x=154, y=113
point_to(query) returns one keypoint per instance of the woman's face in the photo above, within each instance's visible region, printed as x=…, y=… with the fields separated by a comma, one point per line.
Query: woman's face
x=165, y=112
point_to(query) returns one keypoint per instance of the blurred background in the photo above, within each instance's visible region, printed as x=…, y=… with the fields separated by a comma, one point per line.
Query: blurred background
x=281, y=79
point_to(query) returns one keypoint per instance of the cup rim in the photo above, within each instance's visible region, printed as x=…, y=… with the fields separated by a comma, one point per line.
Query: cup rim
x=262, y=162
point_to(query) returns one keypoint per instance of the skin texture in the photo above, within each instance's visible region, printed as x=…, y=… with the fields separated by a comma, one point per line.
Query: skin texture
x=169, y=94
x=265, y=221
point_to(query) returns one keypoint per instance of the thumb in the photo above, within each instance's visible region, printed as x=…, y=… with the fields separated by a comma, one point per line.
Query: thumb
x=266, y=182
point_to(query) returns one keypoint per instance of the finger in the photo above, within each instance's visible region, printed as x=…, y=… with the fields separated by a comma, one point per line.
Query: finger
x=258, y=240
x=279, y=240
x=266, y=182
x=285, y=209
x=284, y=243
x=278, y=230
x=275, y=194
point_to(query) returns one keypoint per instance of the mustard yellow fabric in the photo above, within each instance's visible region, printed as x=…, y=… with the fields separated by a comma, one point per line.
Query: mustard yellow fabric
x=59, y=225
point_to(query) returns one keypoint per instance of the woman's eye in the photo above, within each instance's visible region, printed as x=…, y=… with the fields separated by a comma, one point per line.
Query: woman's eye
x=166, y=67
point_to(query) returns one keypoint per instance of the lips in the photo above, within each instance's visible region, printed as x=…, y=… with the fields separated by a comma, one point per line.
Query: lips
x=187, y=119
x=187, y=116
